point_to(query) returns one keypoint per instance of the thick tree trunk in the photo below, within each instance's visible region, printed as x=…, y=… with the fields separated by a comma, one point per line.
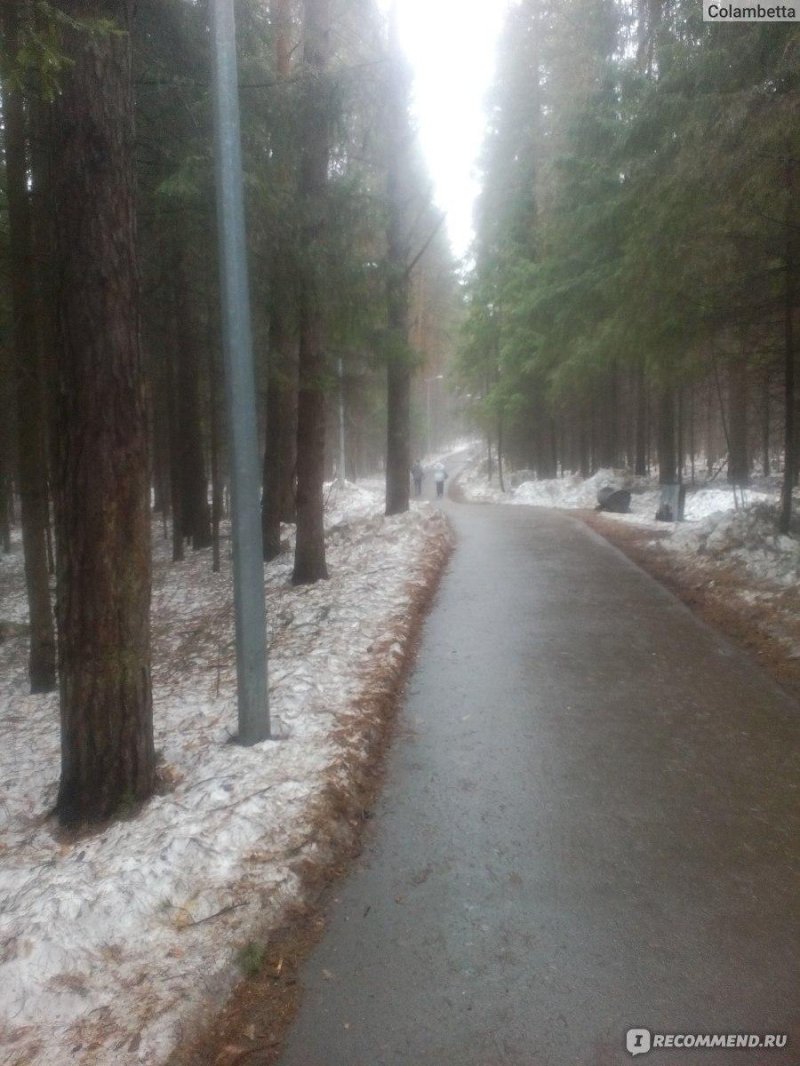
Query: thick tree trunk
x=31, y=450
x=102, y=506
x=309, y=558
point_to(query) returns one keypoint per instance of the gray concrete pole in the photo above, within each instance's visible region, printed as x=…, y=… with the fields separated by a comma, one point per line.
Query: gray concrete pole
x=248, y=565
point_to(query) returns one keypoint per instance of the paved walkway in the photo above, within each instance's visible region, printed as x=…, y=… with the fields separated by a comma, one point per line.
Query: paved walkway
x=590, y=822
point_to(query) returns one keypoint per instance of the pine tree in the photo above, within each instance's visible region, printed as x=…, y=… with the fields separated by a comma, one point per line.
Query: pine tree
x=102, y=493
x=309, y=559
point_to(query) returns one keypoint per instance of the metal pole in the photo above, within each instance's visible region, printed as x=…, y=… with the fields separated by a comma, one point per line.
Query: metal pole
x=248, y=565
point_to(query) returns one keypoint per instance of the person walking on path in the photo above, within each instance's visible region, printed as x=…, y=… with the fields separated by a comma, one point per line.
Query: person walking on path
x=417, y=473
x=439, y=476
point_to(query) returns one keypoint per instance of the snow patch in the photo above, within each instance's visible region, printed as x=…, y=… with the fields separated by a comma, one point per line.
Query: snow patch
x=112, y=941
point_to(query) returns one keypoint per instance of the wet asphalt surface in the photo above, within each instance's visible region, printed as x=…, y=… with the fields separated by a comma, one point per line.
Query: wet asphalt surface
x=589, y=823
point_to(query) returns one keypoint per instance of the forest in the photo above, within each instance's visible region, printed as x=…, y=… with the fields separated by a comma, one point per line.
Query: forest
x=110, y=351
x=634, y=295
x=630, y=298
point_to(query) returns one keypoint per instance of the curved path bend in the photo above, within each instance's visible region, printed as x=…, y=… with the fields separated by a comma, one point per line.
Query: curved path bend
x=589, y=823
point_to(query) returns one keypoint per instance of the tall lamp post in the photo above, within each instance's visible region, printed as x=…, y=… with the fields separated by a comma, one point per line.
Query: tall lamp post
x=428, y=383
x=248, y=564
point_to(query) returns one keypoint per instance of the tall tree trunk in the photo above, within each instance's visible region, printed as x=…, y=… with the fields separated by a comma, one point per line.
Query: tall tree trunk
x=789, y=441
x=766, y=429
x=278, y=503
x=789, y=358
x=193, y=480
x=214, y=391
x=738, y=461
x=5, y=500
x=398, y=398
x=175, y=494
x=31, y=451
x=280, y=446
x=692, y=440
x=608, y=442
x=640, y=459
x=667, y=454
x=273, y=459
x=309, y=557
x=160, y=439
x=711, y=449
x=102, y=505
x=584, y=445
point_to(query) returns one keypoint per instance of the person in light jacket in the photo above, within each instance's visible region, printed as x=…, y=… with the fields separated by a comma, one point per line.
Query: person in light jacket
x=439, y=476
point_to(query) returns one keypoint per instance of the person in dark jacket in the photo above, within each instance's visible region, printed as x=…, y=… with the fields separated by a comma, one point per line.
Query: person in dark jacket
x=417, y=473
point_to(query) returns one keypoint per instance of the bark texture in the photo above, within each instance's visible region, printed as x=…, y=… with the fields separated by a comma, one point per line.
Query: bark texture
x=309, y=559
x=102, y=487
x=31, y=436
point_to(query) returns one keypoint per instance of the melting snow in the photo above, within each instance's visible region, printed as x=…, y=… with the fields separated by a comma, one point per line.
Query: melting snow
x=110, y=943
x=739, y=530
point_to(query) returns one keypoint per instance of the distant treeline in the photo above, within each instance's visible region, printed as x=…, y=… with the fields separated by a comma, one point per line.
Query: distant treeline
x=635, y=293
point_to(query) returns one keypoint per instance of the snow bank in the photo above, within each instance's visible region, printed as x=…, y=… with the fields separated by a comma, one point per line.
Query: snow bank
x=747, y=537
x=737, y=527
x=112, y=941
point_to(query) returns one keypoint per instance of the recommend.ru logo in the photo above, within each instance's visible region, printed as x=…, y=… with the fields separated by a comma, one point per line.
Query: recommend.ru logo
x=640, y=1041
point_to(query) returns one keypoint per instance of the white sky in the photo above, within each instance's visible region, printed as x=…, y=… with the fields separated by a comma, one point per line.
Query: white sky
x=451, y=46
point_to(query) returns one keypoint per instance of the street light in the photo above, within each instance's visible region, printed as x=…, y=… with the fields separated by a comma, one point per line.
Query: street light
x=428, y=383
x=248, y=556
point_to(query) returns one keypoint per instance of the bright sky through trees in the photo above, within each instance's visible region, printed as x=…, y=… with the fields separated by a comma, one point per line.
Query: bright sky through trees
x=451, y=46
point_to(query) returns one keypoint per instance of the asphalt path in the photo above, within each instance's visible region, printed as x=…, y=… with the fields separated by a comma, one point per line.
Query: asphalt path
x=589, y=824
